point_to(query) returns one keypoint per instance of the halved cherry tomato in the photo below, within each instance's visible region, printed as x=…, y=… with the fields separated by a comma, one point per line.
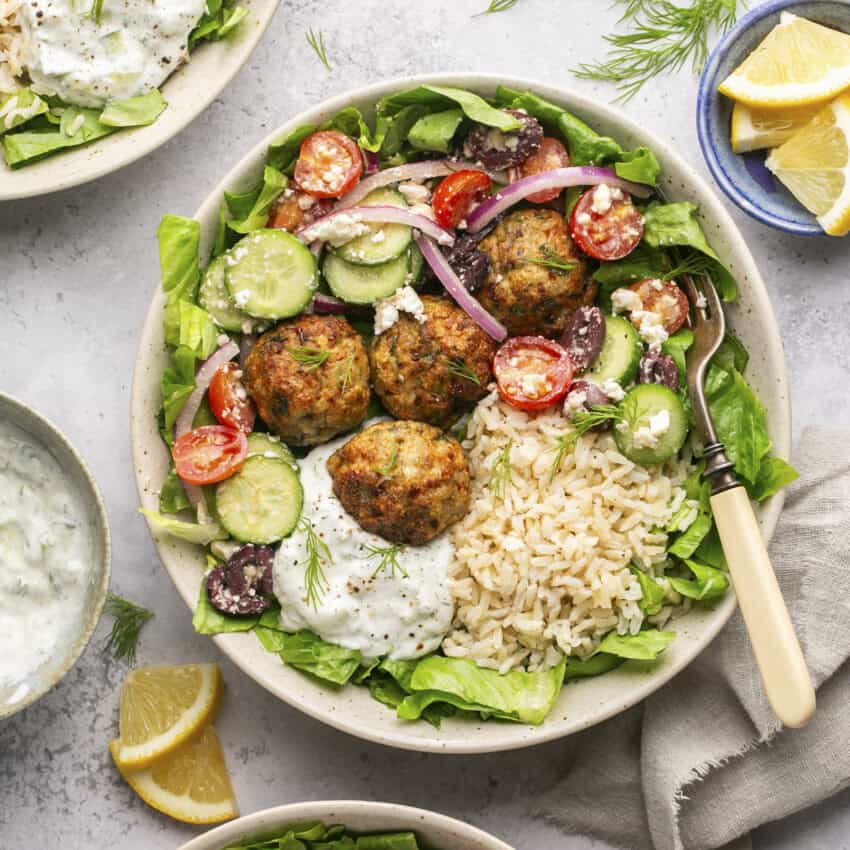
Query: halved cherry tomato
x=294, y=210
x=209, y=454
x=605, y=224
x=550, y=155
x=329, y=164
x=666, y=300
x=229, y=399
x=455, y=196
x=532, y=372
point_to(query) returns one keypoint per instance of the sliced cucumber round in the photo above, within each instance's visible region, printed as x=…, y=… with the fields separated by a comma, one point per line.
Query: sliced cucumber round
x=264, y=445
x=416, y=265
x=262, y=502
x=364, y=284
x=382, y=242
x=215, y=298
x=654, y=425
x=621, y=352
x=270, y=274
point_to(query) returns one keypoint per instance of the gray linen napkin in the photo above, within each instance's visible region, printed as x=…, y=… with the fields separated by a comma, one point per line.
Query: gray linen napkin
x=703, y=761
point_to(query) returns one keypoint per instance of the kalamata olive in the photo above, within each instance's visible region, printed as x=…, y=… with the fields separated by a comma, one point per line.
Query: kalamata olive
x=657, y=368
x=496, y=150
x=244, y=584
x=469, y=264
x=584, y=336
x=582, y=396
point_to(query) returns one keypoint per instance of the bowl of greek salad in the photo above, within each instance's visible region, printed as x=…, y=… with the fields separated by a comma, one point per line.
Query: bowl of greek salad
x=87, y=88
x=409, y=418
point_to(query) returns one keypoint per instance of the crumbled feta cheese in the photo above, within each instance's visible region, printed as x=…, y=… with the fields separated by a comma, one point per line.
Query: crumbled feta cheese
x=337, y=229
x=534, y=385
x=613, y=390
x=701, y=301
x=646, y=437
x=574, y=402
x=657, y=285
x=241, y=298
x=404, y=300
x=583, y=218
x=648, y=323
x=414, y=193
x=625, y=300
x=602, y=199
x=306, y=201
x=423, y=210
x=378, y=236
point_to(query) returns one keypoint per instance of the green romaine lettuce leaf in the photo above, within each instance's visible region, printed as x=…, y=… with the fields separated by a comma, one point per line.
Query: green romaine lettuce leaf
x=191, y=327
x=351, y=122
x=177, y=383
x=134, y=111
x=653, y=592
x=677, y=347
x=332, y=664
x=219, y=20
x=709, y=583
x=193, y=532
x=435, y=132
x=644, y=646
x=394, y=130
x=595, y=665
x=274, y=182
x=179, y=239
x=283, y=153
x=774, y=474
x=19, y=107
x=172, y=496
x=639, y=166
x=208, y=621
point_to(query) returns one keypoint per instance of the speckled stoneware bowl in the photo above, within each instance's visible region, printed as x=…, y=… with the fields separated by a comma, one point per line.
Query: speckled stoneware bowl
x=582, y=703
x=743, y=177
x=189, y=91
x=436, y=832
x=57, y=444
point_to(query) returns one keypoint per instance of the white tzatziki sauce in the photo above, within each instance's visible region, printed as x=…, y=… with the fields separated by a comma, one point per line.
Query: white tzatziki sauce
x=136, y=46
x=379, y=613
x=46, y=548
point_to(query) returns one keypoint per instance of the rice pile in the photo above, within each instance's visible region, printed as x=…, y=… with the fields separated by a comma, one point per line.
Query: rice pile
x=544, y=570
x=11, y=45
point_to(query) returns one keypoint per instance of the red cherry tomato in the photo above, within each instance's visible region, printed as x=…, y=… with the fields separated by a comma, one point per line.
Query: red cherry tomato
x=532, y=372
x=605, y=224
x=294, y=210
x=329, y=164
x=210, y=453
x=229, y=399
x=455, y=196
x=550, y=155
x=666, y=300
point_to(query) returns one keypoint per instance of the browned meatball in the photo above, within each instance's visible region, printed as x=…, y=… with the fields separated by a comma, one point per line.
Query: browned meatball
x=529, y=298
x=405, y=481
x=309, y=378
x=432, y=370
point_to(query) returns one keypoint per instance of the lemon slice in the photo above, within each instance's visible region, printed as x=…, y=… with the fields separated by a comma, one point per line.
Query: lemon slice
x=161, y=707
x=754, y=129
x=815, y=166
x=190, y=783
x=799, y=63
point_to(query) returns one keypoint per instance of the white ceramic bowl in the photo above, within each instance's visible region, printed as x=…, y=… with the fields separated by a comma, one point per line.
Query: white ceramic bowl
x=434, y=831
x=40, y=681
x=581, y=703
x=189, y=91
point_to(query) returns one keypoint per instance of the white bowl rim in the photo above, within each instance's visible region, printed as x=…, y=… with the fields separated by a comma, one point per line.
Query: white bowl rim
x=781, y=431
x=418, y=818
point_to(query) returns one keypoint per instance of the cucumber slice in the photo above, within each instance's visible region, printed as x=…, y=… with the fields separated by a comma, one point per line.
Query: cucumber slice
x=264, y=445
x=382, y=242
x=262, y=502
x=215, y=298
x=621, y=352
x=643, y=407
x=416, y=265
x=364, y=284
x=270, y=274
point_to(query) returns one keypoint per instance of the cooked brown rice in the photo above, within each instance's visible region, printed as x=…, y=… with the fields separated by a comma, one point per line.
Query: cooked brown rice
x=10, y=45
x=545, y=570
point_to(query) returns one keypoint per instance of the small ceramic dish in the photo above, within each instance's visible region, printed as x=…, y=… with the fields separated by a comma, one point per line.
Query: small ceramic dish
x=743, y=177
x=433, y=830
x=82, y=484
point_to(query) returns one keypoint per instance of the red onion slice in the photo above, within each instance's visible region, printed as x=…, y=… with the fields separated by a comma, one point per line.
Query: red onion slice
x=417, y=171
x=446, y=275
x=371, y=162
x=558, y=178
x=378, y=215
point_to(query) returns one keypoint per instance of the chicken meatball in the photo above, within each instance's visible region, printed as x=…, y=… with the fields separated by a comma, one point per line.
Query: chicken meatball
x=309, y=378
x=404, y=481
x=530, y=298
x=433, y=370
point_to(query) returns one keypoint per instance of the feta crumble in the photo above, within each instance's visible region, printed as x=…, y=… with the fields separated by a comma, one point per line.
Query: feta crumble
x=646, y=437
x=613, y=390
x=404, y=300
x=414, y=193
x=337, y=230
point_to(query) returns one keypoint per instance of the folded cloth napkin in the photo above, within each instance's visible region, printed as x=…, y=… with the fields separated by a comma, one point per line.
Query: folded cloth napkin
x=704, y=761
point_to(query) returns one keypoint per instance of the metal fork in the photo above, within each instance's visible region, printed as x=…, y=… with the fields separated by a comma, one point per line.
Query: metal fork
x=778, y=655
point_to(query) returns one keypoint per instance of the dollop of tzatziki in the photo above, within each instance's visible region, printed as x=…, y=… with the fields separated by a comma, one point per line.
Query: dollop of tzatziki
x=403, y=609
x=136, y=46
x=46, y=548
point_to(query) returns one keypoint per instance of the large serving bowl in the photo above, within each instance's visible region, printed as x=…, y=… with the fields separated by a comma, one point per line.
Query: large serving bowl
x=581, y=704
x=189, y=91
x=433, y=830
x=40, y=681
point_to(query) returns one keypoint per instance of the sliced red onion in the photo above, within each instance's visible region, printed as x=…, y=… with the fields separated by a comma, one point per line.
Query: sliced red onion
x=558, y=178
x=446, y=275
x=417, y=171
x=245, y=346
x=328, y=305
x=379, y=215
x=371, y=163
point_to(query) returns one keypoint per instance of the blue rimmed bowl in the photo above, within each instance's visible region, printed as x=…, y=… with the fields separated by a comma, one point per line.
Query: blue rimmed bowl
x=743, y=177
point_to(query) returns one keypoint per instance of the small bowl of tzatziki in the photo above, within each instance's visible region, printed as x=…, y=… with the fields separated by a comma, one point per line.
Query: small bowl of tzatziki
x=54, y=555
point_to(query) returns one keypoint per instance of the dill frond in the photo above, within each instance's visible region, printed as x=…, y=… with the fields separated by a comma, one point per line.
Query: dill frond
x=318, y=555
x=389, y=558
x=312, y=358
x=458, y=368
x=128, y=621
x=500, y=475
x=316, y=40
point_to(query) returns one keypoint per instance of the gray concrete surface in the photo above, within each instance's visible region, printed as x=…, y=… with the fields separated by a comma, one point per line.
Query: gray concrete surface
x=76, y=272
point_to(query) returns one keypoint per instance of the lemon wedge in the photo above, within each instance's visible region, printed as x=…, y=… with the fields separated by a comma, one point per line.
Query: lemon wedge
x=754, y=129
x=800, y=63
x=161, y=707
x=815, y=166
x=190, y=783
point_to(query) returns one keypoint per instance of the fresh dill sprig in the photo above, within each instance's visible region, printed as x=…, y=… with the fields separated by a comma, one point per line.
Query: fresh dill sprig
x=500, y=474
x=693, y=263
x=391, y=464
x=582, y=422
x=662, y=37
x=315, y=579
x=389, y=558
x=344, y=369
x=312, y=358
x=129, y=620
x=96, y=11
x=458, y=368
x=553, y=260
x=497, y=6
x=316, y=40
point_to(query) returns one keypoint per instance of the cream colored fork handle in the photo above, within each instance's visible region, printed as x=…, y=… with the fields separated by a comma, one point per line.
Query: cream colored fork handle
x=780, y=660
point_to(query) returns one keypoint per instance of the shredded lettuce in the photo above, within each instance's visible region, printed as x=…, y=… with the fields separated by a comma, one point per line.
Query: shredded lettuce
x=192, y=532
x=134, y=111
